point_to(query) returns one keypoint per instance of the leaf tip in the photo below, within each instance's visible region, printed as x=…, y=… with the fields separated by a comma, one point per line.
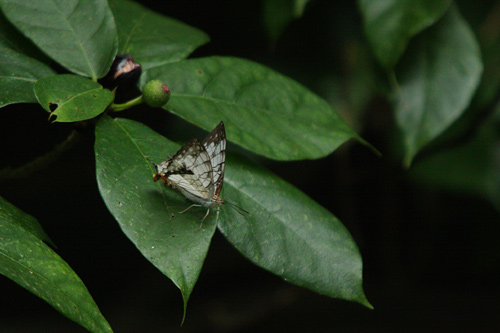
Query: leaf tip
x=184, y=310
x=361, y=299
x=369, y=146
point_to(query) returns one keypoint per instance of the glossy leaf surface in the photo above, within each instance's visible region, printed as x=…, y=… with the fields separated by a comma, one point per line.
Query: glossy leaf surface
x=72, y=98
x=286, y=232
x=28, y=261
x=18, y=74
x=153, y=39
x=264, y=111
x=289, y=234
x=78, y=34
x=438, y=77
x=147, y=211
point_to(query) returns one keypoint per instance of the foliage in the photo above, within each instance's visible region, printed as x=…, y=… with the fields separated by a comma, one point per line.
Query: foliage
x=426, y=60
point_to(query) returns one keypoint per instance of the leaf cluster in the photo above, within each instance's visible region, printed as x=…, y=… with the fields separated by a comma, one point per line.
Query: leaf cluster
x=55, y=53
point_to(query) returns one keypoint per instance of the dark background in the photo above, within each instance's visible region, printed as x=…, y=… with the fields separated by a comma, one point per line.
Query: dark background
x=431, y=257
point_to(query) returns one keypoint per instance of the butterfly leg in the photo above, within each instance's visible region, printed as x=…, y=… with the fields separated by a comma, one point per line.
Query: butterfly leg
x=185, y=210
x=204, y=217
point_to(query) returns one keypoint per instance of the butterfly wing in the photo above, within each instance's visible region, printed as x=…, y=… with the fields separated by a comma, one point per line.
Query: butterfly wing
x=190, y=171
x=215, y=145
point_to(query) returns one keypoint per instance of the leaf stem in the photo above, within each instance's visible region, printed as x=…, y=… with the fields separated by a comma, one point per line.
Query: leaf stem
x=120, y=107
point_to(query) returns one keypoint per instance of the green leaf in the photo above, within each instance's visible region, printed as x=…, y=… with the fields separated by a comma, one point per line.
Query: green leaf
x=147, y=211
x=437, y=77
x=389, y=24
x=279, y=13
x=26, y=260
x=289, y=234
x=286, y=232
x=80, y=35
x=470, y=167
x=18, y=69
x=72, y=98
x=11, y=213
x=12, y=39
x=18, y=74
x=264, y=112
x=153, y=39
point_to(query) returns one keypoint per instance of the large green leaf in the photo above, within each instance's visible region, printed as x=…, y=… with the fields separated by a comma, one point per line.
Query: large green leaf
x=153, y=39
x=438, y=76
x=286, y=232
x=72, y=98
x=264, y=111
x=389, y=24
x=18, y=74
x=147, y=211
x=289, y=234
x=26, y=260
x=80, y=35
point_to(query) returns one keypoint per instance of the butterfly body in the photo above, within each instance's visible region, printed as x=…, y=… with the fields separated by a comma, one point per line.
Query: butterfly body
x=197, y=169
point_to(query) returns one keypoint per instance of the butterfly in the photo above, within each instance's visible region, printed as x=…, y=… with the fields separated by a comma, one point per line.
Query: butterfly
x=197, y=171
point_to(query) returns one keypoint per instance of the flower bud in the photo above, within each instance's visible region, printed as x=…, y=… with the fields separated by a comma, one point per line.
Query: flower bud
x=124, y=72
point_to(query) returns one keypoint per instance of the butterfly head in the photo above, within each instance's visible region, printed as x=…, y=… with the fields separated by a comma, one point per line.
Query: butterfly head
x=161, y=171
x=217, y=201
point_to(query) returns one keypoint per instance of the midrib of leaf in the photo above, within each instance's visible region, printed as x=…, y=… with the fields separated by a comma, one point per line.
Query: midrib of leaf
x=143, y=155
x=55, y=286
x=80, y=43
x=218, y=100
x=181, y=257
x=76, y=95
x=158, y=185
x=134, y=27
x=19, y=78
x=251, y=109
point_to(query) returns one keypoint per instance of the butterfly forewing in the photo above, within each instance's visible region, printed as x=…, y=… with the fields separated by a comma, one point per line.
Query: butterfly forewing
x=215, y=145
x=190, y=169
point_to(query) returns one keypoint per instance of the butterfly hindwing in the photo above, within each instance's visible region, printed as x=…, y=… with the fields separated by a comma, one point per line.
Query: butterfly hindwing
x=215, y=145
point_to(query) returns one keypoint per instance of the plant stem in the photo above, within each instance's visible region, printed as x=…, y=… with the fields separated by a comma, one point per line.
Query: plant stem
x=120, y=107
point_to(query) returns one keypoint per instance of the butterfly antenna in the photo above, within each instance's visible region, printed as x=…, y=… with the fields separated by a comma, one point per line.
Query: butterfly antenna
x=237, y=209
x=154, y=164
